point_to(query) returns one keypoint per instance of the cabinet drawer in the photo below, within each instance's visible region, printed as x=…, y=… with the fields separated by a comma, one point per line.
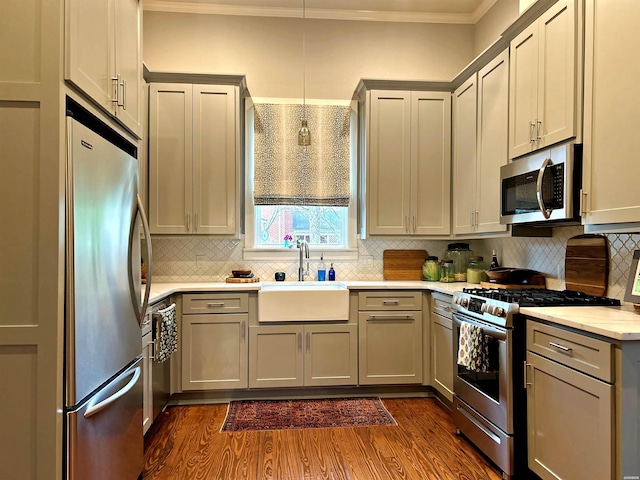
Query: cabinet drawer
x=441, y=304
x=585, y=354
x=218, y=302
x=390, y=300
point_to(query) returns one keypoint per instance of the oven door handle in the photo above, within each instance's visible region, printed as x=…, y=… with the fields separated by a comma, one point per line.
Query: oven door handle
x=494, y=331
x=545, y=212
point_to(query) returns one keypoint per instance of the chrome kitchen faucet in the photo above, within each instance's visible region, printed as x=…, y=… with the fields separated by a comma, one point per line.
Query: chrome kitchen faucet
x=304, y=253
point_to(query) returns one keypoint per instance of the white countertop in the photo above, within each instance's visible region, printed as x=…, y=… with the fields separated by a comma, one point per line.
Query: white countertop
x=618, y=323
x=159, y=291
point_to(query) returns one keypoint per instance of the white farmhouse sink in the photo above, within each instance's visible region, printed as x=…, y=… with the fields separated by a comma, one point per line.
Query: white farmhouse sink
x=303, y=302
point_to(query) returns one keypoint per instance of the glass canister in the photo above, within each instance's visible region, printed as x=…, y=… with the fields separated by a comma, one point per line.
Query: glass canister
x=460, y=254
x=477, y=270
x=447, y=271
x=431, y=269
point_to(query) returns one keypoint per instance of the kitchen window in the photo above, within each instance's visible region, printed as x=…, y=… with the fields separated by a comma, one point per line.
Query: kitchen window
x=276, y=213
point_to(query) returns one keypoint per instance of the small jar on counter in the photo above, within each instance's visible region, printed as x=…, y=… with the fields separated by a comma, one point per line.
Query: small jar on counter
x=447, y=271
x=431, y=269
x=477, y=270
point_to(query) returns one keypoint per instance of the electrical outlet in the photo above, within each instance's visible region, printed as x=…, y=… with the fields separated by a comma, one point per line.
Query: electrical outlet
x=200, y=259
x=559, y=272
x=366, y=260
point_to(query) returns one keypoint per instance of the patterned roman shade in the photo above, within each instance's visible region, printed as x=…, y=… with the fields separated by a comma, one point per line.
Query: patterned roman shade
x=288, y=174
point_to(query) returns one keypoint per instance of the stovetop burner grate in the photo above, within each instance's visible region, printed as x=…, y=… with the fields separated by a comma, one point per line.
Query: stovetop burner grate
x=535, y=297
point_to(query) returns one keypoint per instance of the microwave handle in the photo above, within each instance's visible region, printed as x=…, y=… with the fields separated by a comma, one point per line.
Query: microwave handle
x=546, y=213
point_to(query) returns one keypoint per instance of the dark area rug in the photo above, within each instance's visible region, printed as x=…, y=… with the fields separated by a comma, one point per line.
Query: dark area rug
x=289, y=414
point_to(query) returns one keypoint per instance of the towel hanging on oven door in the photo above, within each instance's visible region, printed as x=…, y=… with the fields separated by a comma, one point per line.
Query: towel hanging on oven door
x=166, y=341
x=476, y=351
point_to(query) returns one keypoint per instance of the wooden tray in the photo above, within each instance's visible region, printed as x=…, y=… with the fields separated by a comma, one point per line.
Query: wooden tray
x=242, y=280
x=403, y=264
x=586, y=265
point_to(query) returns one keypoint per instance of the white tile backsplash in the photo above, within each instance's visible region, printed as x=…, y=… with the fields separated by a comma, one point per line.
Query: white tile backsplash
x=198, y=259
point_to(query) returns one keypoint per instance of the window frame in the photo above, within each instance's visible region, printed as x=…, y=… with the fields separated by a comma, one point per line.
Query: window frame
x=252, y=251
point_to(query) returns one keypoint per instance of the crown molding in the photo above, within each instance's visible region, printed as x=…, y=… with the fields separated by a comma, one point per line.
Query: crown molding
x=319, y=13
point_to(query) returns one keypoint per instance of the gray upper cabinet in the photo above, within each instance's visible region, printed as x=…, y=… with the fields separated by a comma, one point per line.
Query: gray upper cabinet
x=611, y=167
x=543, y=89
x=104, y=56
x=407, y=164
x=194, y=158
x=480, y=143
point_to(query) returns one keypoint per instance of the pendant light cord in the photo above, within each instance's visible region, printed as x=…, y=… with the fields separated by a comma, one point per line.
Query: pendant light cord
x=304, y=65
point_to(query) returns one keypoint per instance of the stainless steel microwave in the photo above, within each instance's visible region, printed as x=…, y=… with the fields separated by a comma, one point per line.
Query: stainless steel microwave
x=543, y=187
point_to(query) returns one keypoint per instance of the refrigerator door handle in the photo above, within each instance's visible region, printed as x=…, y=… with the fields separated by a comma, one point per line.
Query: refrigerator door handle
x=93, y=409
x=141, y=311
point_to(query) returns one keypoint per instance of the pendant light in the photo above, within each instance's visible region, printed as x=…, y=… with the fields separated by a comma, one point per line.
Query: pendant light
x=304, y=135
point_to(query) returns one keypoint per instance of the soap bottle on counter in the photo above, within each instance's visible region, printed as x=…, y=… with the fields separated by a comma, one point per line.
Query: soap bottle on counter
x=332, y=273
x=322, y=269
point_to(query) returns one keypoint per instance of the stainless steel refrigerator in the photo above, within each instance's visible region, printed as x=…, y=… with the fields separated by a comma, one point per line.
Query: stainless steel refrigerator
x=103, y=383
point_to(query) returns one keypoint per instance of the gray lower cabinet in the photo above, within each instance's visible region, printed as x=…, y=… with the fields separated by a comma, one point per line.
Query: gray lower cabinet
x=297, y=355
x=442, y=345
x=570, y=412
x=390, y=338
x=215, y=346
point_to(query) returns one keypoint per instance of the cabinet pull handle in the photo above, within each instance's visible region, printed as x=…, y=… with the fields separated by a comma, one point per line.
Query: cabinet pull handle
x=560, y=347
x=584, y=197
x=406, y=223
x=525, y=375
x=300, y=341
x=532, y=126
x=244, y=330
x=188, y=221
x=195, y=222
x=116, y=85
x=414, y=223
x=308, y=342
x=538, y=125
x=391, y=302
x=215, y=304
x=374, y=317
x=124, y=94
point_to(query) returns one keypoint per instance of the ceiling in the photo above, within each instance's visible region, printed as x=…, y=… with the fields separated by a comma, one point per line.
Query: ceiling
x=412, y=11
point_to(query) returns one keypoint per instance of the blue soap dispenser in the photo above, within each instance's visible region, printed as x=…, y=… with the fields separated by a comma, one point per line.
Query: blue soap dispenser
x=332, y=273
x=322, y=269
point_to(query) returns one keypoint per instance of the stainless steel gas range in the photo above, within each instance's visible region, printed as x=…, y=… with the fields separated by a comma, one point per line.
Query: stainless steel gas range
x=490, y=403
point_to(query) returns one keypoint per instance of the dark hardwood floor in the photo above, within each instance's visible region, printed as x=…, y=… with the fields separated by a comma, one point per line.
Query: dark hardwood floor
x=185, y=443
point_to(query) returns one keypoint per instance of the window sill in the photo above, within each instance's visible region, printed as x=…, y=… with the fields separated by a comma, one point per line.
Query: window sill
x=291, y=254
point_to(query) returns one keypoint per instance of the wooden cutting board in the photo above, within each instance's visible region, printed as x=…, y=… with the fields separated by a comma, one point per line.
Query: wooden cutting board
x=242, y=280
x=586, y=265
x=403, y=264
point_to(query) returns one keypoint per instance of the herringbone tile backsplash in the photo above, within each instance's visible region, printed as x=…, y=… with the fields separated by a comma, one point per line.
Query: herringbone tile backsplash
x=206, y=259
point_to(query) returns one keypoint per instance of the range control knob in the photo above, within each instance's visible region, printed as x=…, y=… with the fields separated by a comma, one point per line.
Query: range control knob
x=464, y=302
x=485, y=308
x=499, y=312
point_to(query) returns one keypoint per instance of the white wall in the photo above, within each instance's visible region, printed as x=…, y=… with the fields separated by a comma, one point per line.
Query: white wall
x=500, y=16
x=338, y=53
